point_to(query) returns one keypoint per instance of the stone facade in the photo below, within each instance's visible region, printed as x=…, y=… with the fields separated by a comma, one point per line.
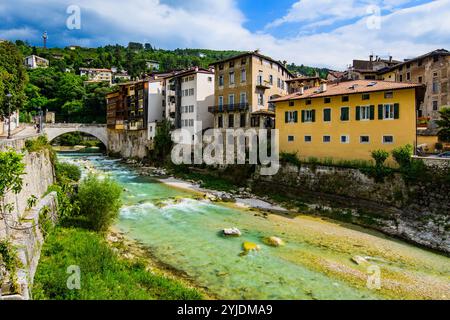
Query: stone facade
x=128, y=144
x=419, y=213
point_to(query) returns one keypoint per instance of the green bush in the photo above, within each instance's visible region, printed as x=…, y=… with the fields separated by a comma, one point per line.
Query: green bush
x=290, y=157
x=439, y=146
x=402, y=155
x=99, y=201
x=34, y=145
x=67, y=171
x=380, y=156
x=104, y=275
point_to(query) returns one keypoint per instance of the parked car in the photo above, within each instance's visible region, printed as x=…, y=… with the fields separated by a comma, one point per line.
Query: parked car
x=444, y=155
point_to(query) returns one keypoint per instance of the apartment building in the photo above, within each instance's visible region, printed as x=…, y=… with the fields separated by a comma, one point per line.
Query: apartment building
x=348, y=120
x=97, y=75
x=156, y=108
x=127, y=108
x=188, y=94
x=368, y=69
x=244, y=85
x=34, y=62
x=431, y=69
x=295, y=84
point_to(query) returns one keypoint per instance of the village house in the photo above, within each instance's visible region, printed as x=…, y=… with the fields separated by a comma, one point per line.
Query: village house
x=244, y=85
x=34, y=62
x=348, y=120
x=97, y=75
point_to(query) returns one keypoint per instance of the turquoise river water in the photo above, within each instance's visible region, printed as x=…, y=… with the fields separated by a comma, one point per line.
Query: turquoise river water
x=184, y=233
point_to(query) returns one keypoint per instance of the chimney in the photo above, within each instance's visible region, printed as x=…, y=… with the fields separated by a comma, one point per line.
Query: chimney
x=390, y=58
x=301, y=90
x=323, y=86
x=196, y=69
x=371, y=57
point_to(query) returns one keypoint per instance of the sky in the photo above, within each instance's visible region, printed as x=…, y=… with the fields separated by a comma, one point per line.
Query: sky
x=322, y=33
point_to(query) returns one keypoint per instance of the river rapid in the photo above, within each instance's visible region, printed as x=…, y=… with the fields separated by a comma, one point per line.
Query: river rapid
x=183, y=231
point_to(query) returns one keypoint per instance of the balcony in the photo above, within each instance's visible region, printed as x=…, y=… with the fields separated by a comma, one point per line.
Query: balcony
x=260, y=84
x=238, y=107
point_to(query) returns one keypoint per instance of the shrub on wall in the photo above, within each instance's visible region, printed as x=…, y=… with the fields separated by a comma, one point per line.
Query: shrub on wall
x=290, y=157
x=67, y=171
x=402, y=155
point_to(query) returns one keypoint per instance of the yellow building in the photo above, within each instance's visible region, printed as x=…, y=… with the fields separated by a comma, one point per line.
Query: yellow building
x=348, y=120
x=244, y=85
x=388, y=75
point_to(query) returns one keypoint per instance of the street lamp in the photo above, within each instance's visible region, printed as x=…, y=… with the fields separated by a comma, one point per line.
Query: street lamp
x=8, y=98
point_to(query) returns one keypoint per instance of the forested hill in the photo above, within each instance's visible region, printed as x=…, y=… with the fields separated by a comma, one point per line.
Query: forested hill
x=133, y=58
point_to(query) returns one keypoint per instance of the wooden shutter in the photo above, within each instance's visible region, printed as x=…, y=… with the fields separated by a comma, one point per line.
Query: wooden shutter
x=372, y=112
x=358, y=113
x=295, y=116
x=286, y=117
x=396, y=111
x=303, y=115
x=380, y=112
x=313, y=114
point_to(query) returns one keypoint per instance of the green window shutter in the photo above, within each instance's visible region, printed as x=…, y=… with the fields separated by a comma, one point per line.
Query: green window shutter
x=327, y=115
x=345, y=114
x=396, y=111
x=295, y=116
x=342, y=114
x=286, y=117
x=358, y=112
x=380, y=112
x=303, y=115
x=372, y=112
x=313, y=113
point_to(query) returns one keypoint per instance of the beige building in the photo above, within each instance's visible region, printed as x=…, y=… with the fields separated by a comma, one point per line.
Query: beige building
x=431, y=69
x=97, y=75
x=244, y=85
x=34, y=62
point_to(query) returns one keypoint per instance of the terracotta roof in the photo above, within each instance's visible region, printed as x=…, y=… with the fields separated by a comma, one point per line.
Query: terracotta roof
x=188, y=72
x=302, y=78
x=439, y=52
x=349, y=87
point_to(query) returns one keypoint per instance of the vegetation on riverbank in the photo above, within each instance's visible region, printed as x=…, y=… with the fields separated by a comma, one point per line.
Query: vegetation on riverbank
x=86, y=212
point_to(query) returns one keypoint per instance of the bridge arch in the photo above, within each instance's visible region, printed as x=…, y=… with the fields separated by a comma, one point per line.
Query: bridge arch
x=55, y=130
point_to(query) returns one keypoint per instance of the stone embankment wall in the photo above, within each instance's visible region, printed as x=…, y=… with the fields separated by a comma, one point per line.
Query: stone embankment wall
x=417, y=212
x=22, y=227
x=128, y=144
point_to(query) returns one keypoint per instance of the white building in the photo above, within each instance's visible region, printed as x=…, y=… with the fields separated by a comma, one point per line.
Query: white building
x=188, y=94
x=97, y=75
x=152, y=65
x=34, y=62
x=155, y=106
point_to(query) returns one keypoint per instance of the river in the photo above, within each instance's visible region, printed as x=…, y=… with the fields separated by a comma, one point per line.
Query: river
x=183, y=232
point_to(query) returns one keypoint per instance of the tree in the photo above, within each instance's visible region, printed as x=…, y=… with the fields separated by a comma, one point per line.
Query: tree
x=163, y=140
x=70, y=88
x=13, y=77
x=444, y=125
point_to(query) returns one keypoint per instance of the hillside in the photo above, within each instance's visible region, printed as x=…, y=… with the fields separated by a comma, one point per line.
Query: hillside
x=132, y=58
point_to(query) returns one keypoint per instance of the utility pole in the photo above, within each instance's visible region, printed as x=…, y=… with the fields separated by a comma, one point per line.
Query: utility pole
x=8, y=97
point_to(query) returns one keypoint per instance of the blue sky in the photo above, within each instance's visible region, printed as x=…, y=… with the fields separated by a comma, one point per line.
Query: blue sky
x=313, y=32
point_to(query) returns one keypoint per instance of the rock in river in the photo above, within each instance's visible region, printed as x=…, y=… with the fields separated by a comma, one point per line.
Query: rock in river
x=273, y=241
x=250, y=246
x=234, y=232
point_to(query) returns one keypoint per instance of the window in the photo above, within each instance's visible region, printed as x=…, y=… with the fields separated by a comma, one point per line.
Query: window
x=435, y=86
x=242, y=120
x=327, y=100
x=220, y=101
x=326, y=139
x=419, y=63
x=271, y=79
x=388, y=139
x=408, y=76
x=366, y=96
x=388, y=95
x=220, y=121
x=191, y=92
x=388, y=111
x=308, y=115
x=243, y=61
x=191, y=122
x=435, y=105
x=345, y=98
x=408, y=65
x=308, y=138
x=221, y=66
x=278, y=83
x=231, y=99
x=231, y=121
x=365, y=112
x=400, y=78
x=191, y=108
x=231, y=78
x=243, y=98
x=260, y=99
x=221, y=80
x=231, y=64
x=291, y=117
x=290, y=138
x=420, y=80
x=327, y=115
x=243, y=75
x=345, y=113
x=254, y=121
x=364, y=139
x=291, y=103
x=345, y=139
x=308, y=102
x=209, y=79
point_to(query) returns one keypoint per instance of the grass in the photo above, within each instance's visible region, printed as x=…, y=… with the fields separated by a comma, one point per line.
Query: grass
x=103, y=274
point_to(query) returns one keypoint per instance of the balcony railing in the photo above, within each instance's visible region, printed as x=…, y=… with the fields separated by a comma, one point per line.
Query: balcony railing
x=229, y=108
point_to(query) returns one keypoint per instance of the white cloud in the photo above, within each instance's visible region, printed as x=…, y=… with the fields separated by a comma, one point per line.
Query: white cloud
x=220, y=25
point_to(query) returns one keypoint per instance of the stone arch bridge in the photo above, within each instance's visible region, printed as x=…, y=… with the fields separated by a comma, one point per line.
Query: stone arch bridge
x=54, y=130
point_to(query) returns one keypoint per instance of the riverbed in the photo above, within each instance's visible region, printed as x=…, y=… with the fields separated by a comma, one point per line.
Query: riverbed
x=321, y=259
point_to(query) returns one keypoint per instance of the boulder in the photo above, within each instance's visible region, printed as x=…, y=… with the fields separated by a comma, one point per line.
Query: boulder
x=250, y=246
x=273, y=241
x=359, y=260
x=233, y=232
x=211, y=197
